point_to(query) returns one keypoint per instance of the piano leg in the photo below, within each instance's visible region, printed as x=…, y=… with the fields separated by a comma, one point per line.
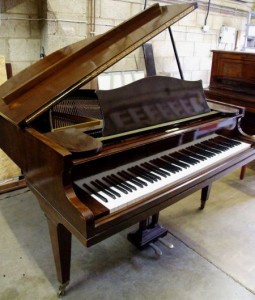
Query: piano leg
x=242, y=173
x=205, y=192
x=149, y=231
x=61, y=240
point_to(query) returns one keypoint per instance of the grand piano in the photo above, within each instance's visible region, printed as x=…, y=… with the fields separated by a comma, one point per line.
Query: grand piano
x=99, y=161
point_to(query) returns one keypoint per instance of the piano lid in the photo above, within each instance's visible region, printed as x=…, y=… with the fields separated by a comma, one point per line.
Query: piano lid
x=39, y=87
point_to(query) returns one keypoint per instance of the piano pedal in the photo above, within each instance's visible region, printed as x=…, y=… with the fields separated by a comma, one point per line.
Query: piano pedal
x=142, y=238
x=156, y=249
x=166, y=243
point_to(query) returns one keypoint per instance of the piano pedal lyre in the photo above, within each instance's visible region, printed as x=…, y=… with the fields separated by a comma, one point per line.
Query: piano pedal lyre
x=148, y=233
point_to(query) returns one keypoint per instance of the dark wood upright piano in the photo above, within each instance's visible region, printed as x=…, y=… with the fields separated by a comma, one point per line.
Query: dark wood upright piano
x=233, y=81
x=101, y=161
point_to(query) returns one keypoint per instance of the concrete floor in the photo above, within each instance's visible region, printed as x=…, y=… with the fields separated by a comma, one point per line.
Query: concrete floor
x=213, y=257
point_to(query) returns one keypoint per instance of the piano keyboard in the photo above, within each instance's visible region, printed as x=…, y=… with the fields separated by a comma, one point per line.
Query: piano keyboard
x=127, y=184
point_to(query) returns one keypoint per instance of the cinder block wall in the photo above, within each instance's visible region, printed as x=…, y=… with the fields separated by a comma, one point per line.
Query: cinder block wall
x=28, y=26
x=20, y=34
x=65, y=23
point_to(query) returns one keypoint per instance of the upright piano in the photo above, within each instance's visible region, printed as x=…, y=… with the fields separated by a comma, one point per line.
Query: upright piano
x=99, y=161
x=233, y=81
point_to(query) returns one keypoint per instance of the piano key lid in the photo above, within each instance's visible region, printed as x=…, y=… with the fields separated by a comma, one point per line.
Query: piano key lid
x=36, y=89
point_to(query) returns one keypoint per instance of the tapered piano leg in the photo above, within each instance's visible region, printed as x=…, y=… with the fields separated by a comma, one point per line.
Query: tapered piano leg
x=205, y=192
x=61, y=240
x=242, y=173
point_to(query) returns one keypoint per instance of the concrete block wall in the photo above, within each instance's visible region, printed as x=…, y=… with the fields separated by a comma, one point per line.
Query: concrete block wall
x=194, y=45
x=27, y=26
x=66, y=23
x=20, y=36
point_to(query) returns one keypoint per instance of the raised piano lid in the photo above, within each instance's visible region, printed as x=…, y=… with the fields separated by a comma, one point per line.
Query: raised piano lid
x=33, y=91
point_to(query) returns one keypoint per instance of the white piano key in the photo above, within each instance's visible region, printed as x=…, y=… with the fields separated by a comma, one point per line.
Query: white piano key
x=127, y=199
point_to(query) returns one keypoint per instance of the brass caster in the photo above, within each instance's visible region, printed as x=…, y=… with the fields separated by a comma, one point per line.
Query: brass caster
x=62, y=289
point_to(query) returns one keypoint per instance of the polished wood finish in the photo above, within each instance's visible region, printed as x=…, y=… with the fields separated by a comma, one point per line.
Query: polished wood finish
x=205, y=192
x=51, y=166
x=172, y=97
x=30, y=92
x=8, y=70
x=12, y=185
x=76, y=141
x=233, y=71
x=52, y=182
x=233, y=81
x=242, y=173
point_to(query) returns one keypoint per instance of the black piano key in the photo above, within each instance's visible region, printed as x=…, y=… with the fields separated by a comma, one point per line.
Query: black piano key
x=165, y=165
x=229, y=141
x=106, y=191
x=194, y=155
x=185, y=158
x=212, y=149
x=201, y=151
x=160, y=164
x=117, y=186
x=206, y=150
x=176, y=161
x=133, y=179
x=220, y=143
x=220, y=146
x=173, y=163
x=129, y=187
x=90, y=190
x=135, y=174
x=156, y=170
x=226, y=145
x=212, y=144
x=155, y=177
x=172, y=167
x=233, y=142
x=105, y=186
x=143, y=175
